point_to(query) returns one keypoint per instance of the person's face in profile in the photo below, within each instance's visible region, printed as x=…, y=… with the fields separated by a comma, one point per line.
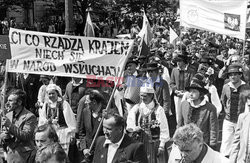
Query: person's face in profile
x=45, y=81
x=131, y=68
x=12, y=103
x=90, y=104
x=112, y=132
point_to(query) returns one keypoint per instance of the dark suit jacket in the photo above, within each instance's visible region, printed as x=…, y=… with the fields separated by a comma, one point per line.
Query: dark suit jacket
x=86, y=128
x=23, y=131
x=206, y=120
x=128, y=151
x=175, y=78
x=31, y=86
x=163, y=95
x=68, y=94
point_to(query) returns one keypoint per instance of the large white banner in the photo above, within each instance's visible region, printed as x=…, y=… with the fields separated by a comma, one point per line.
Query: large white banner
x=62, y=55
x=221, y=16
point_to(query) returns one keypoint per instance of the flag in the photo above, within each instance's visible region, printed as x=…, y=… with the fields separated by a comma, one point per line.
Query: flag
x=146, y=36
x=89, y=28
x=172, y=36
x=248, y=18
x=226, y=17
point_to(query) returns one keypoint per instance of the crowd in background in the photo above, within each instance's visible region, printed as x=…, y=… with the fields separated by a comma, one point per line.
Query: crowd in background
x=200, y=77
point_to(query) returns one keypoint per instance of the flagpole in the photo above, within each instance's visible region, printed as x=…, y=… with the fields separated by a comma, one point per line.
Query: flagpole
x=3, y=93
x=109, y=103
x=244, y=41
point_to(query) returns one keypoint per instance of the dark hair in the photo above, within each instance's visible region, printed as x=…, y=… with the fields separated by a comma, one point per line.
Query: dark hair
x=21, y=95
x=119, y=120
x=96, y=95
x=47, y=127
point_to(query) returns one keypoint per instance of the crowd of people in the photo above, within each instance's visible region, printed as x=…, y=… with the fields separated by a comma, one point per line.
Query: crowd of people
x=167, y=108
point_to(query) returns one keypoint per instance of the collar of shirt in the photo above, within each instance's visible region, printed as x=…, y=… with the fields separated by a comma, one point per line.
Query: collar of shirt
x=135, y=73
x=202, y=154
x=151, y=82
x=76, y=84
x=185, y=69
x=230, y=84
x=108, y=142
x=203, y=102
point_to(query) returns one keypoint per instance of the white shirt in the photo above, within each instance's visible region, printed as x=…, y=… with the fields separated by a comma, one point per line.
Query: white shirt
x=112, y=148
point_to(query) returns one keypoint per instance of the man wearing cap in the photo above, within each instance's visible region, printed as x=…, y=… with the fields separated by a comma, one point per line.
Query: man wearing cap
x=132, y=84
x=129, y=75
x=180, y=79
x=198, y=110
x=230, y=99
x=160, y=86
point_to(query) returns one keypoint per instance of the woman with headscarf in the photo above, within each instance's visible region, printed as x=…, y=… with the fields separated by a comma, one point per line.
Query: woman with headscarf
x=148, y=119
x=58, y=111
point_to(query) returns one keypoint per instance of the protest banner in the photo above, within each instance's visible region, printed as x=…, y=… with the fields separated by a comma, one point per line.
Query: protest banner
x=4, y=47
x=72, y=56
x=221, y=16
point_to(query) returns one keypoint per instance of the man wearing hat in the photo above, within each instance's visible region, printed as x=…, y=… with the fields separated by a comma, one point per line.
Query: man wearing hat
x=230, y=99
x=198, y=110
x=160, y=86
x=128, y=90
x=142, y=60
x=180, y=78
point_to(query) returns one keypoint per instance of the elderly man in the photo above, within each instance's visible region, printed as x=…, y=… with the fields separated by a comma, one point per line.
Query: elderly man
x=20, y=125
x=116, y=146
x=189, y=147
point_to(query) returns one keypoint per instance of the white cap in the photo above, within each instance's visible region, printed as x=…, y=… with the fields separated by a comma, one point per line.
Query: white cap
x=54, y=87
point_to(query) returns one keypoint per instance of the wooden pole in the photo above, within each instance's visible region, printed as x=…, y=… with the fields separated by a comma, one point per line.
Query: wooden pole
x=69, y=17
x=4, y=86
x=3, y=93
x=109, y=103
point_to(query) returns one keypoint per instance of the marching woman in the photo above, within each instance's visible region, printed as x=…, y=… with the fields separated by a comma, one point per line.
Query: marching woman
x=58, y=111
x=148, y=119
